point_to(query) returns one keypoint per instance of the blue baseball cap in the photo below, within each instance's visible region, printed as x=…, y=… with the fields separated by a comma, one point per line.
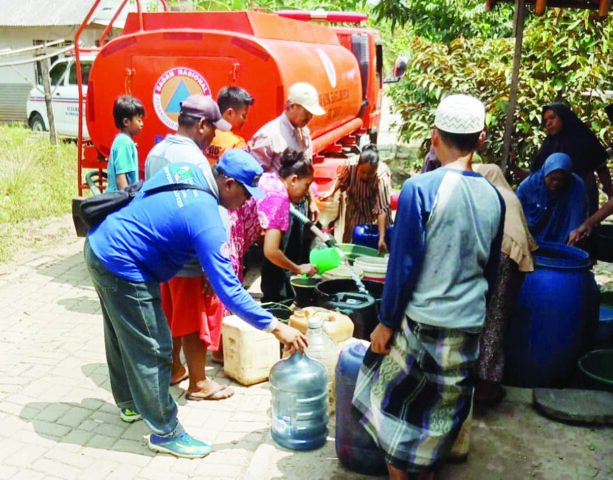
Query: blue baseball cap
x=242, y=167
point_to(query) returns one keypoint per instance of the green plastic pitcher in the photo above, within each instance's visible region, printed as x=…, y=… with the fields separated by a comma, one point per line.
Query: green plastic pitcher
x=325, y=259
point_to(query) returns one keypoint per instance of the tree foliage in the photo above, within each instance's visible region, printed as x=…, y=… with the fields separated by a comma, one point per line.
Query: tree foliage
x=566, y=57
x=445, y=20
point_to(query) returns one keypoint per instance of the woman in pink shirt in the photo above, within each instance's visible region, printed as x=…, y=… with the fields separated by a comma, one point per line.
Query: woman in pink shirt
x=270, y=217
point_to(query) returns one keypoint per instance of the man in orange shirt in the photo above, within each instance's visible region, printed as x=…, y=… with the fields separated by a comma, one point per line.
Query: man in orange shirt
x=234, y=103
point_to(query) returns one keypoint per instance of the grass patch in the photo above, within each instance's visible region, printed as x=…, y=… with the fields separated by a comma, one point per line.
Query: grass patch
x=37, y=182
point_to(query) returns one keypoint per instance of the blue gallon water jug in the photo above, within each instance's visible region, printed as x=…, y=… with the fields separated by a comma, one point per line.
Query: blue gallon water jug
x=354, y=446
x=367, y=235
x=552, y=318
x=299, y=402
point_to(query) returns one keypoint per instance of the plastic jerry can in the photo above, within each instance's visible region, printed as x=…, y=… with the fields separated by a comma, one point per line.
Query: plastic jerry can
x=248, y=353
x=354, y=446
x=299, y=403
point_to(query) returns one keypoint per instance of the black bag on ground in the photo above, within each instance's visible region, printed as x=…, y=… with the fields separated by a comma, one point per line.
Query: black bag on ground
x=89, y=212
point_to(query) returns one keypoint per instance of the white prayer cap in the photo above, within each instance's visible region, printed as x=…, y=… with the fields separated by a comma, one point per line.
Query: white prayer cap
x=460, y=113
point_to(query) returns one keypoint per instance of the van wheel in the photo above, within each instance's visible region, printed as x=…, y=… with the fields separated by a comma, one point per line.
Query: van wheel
x=37, y=123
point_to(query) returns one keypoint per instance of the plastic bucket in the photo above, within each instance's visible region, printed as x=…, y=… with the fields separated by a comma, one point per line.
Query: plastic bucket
x=552, y=319
x=342, y=272
x=374, y=268
x=305, y=290
x=597, y=369
x=328, y=288
x=278, y=310
x=353, y=251
x=325, y=259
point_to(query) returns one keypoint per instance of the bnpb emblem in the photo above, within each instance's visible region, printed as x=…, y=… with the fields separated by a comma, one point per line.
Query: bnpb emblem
x=174, y=86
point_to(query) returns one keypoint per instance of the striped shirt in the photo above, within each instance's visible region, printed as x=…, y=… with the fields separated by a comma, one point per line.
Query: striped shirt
x=364, y=200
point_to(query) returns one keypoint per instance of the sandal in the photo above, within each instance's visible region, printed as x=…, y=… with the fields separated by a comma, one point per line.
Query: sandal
x=220, y=393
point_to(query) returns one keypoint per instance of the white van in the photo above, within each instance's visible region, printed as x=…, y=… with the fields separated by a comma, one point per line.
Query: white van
x=64, y=98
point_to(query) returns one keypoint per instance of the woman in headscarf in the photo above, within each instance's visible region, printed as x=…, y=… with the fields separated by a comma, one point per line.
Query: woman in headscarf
x=554, y=200
x=515, y=261
x=566, y=133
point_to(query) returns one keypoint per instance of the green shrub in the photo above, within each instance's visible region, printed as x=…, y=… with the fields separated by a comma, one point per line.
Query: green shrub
x=565, y=58
x=37, y=181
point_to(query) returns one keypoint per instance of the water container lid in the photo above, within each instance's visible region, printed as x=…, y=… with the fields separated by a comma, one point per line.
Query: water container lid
x=357, y=349
x=315, y=321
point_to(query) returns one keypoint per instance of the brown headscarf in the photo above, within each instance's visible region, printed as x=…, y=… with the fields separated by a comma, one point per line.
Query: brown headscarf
x=517, y=243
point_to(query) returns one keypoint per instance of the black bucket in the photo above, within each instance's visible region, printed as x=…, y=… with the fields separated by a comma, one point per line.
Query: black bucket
x=343, y=295
x=305, y=290
x=330, y=287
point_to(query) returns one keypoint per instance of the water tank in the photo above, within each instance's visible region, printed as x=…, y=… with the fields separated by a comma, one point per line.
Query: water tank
x=180, y=53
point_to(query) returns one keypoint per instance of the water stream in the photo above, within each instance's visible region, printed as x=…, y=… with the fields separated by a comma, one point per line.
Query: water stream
x=354, y=275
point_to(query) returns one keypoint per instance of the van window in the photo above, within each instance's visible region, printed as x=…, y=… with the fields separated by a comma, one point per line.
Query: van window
x=57, y=72
x=85, y=68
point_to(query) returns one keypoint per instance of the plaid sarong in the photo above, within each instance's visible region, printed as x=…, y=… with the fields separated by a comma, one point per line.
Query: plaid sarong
x=414, y=401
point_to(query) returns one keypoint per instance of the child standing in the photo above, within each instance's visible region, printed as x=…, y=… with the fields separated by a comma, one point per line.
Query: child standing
x=234, y=103
x=415, y=387
x=122, y=170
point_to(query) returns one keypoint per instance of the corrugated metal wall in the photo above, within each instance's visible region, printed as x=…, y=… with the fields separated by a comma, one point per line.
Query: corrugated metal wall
x=13, y=97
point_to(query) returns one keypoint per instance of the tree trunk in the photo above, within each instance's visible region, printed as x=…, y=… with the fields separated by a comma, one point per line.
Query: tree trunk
x=47, y=88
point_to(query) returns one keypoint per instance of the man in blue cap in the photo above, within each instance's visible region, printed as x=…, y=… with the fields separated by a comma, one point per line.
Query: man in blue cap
x=147, y=242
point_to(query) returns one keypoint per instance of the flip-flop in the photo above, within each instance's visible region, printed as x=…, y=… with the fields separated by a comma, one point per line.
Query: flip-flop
x=213, y=395
x=184, y=377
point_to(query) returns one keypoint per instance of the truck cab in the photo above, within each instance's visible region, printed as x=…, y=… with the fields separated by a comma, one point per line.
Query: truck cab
x=64, y=98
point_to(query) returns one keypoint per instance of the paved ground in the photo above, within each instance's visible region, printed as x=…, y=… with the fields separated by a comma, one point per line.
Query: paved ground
x=58, y=420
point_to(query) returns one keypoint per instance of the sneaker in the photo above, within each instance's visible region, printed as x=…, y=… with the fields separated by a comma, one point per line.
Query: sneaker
x=181, y=446
x=129, y=416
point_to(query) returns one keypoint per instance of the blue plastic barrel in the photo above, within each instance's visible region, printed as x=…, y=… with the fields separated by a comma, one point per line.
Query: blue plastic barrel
x=368, y=235
x=299, y=402
x=552, y=318
x=354, y=446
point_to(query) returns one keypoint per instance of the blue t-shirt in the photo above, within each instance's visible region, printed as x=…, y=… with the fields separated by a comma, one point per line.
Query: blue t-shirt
x=445, y=250
x=153, y=236
x=123, y=159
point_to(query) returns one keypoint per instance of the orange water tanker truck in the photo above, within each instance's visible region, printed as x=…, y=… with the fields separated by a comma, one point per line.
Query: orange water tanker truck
x=161, y=58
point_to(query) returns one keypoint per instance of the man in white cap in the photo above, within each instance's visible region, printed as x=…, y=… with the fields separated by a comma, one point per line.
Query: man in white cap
x=289, y=129
x=415, y=386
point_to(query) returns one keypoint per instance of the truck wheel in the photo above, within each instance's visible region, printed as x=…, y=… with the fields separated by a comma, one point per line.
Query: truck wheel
x=37, y=123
